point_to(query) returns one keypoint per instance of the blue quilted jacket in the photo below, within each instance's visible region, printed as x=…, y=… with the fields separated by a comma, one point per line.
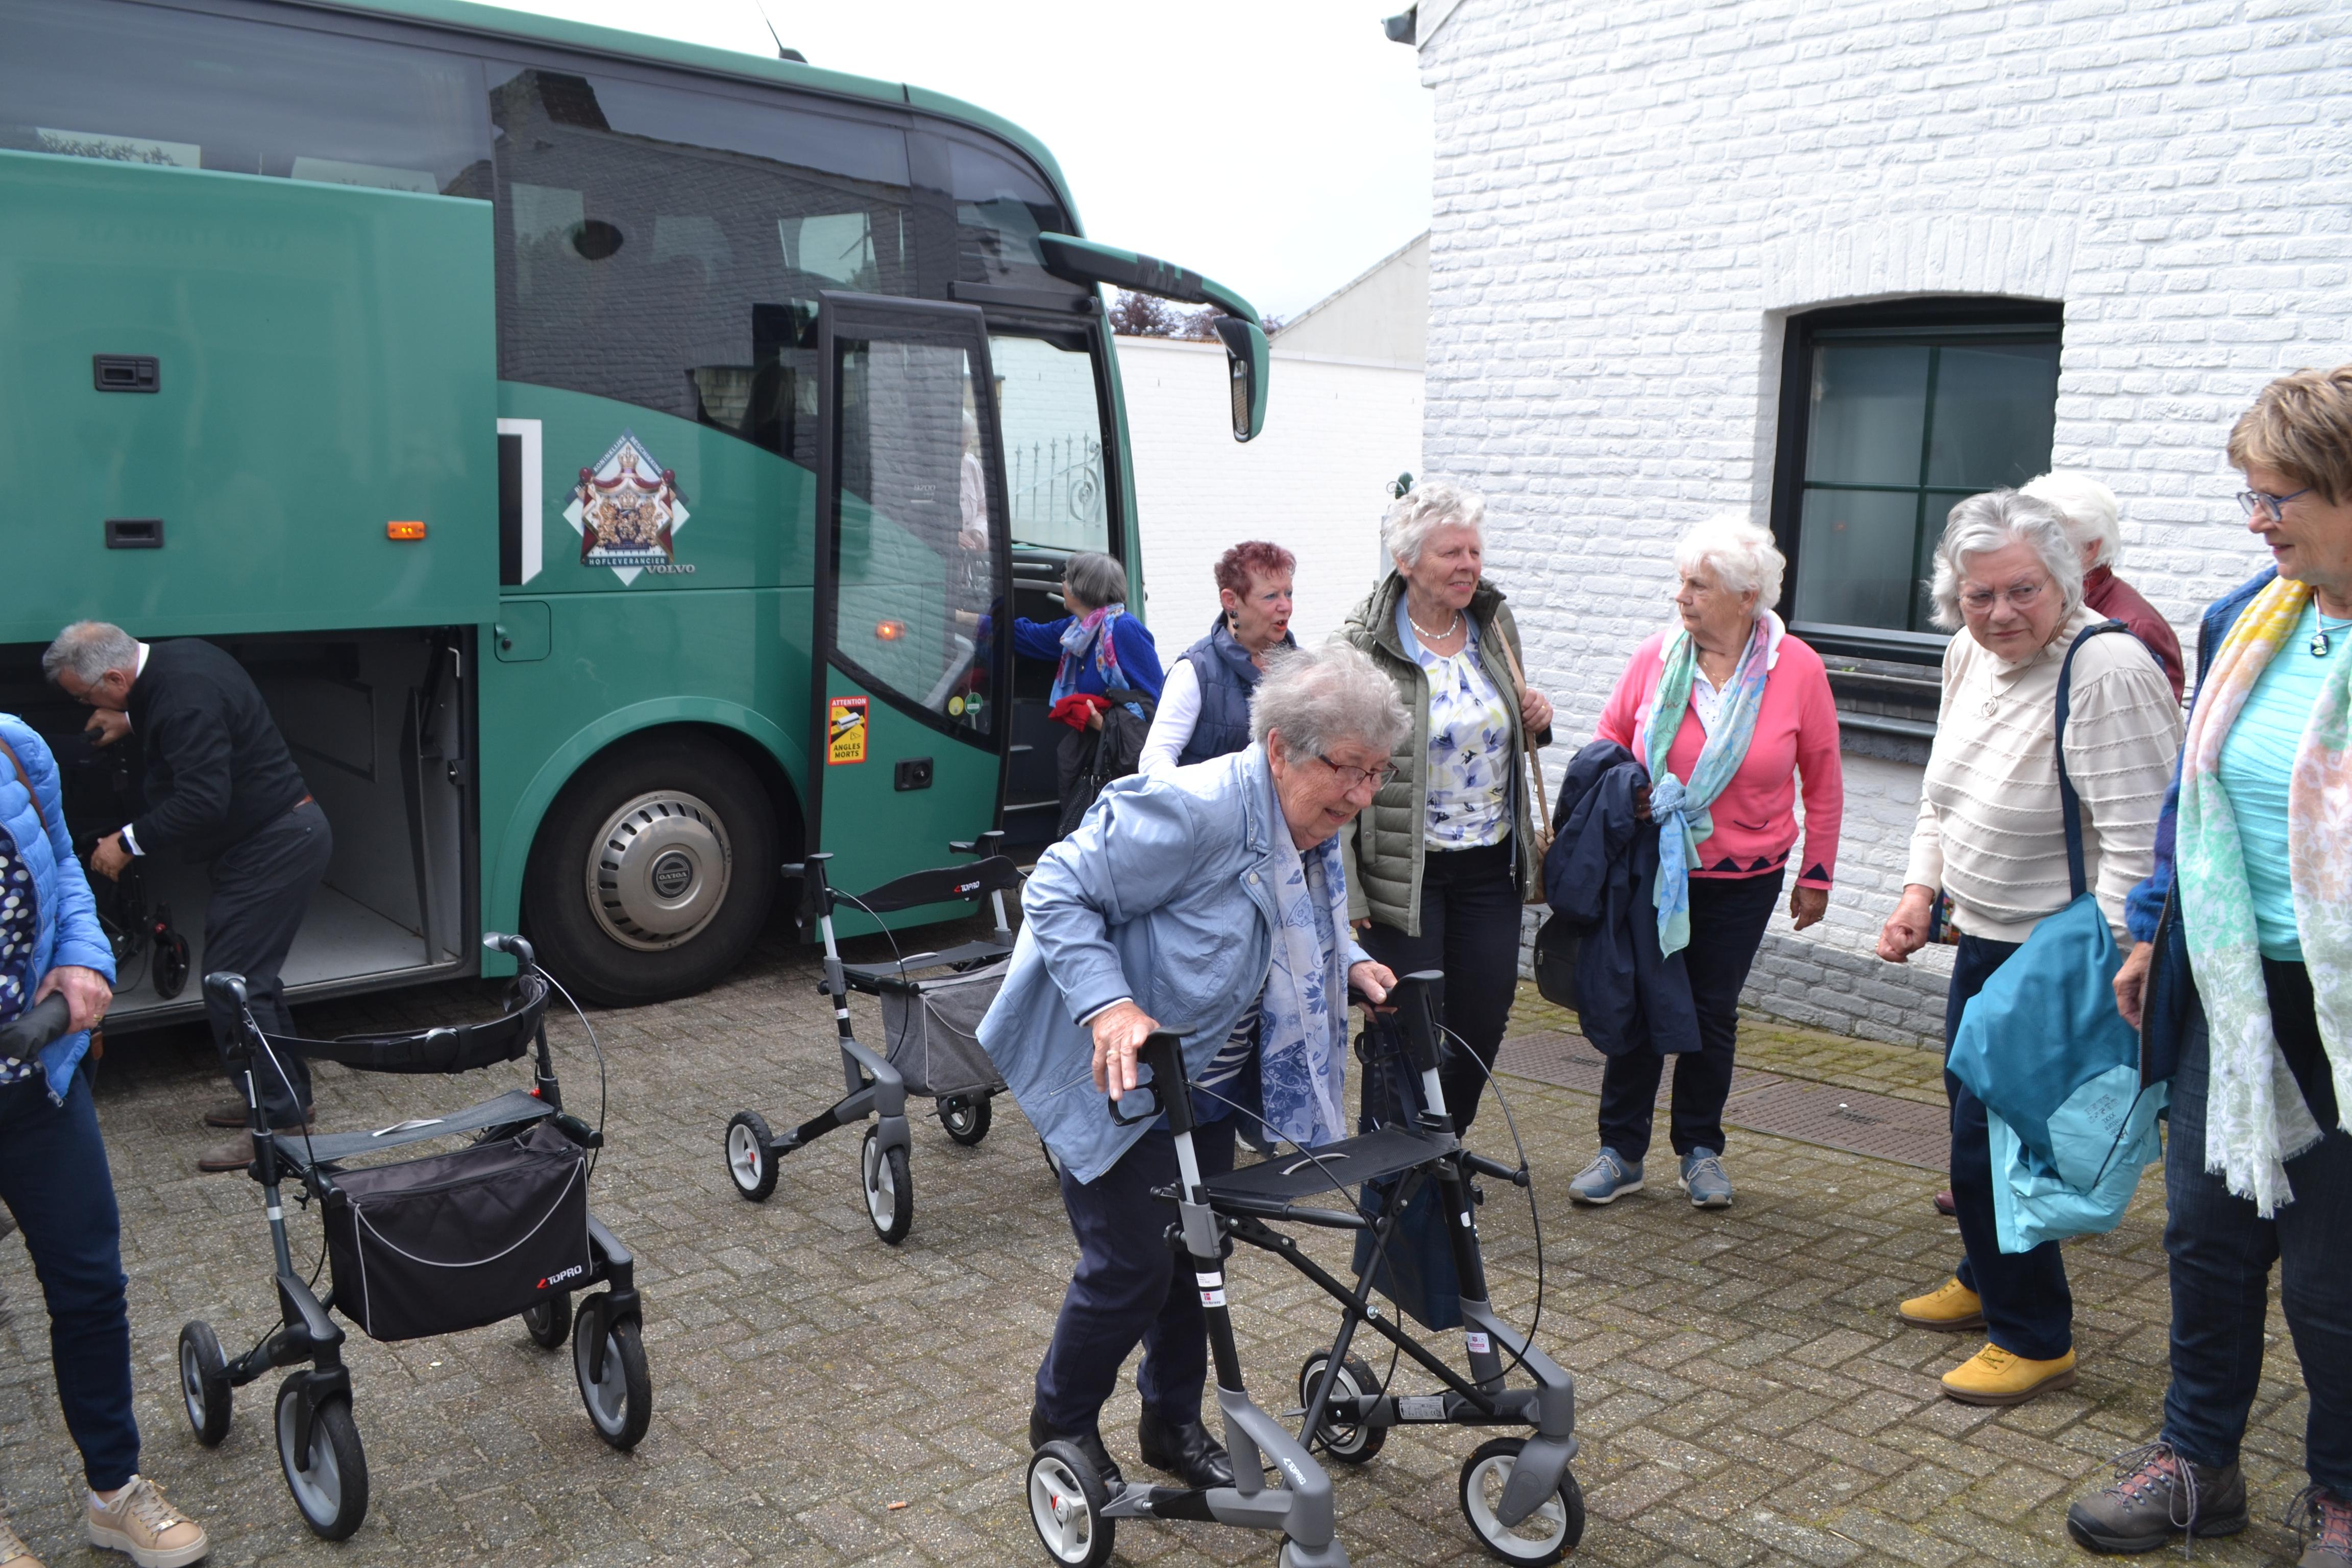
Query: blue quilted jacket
x=68, y=931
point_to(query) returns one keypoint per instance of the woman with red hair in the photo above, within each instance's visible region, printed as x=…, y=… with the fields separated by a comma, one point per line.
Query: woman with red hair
x=1204, y=709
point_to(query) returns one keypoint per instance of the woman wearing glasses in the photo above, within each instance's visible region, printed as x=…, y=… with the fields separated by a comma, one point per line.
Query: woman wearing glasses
x=1991, y=835
x=1440, y=865
x=2244, y=962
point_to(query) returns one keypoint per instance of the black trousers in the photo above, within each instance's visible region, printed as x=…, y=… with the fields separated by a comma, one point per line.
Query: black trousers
x=1469, y=928
x=1727, y=917
x=261, y=889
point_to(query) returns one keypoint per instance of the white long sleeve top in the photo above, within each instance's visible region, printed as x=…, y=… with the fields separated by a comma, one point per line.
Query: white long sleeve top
x=1173, y=721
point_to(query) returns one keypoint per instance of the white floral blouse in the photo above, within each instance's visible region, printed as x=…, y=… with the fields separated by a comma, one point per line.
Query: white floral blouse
x=1470, y=757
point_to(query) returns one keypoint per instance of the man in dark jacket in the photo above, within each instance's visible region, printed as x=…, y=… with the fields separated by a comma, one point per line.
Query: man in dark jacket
x=221, y=788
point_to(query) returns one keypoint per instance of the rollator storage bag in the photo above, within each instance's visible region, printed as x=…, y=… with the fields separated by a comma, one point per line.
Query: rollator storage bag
x=455, y=1241
x=1414, y=1267
x=932, y=1029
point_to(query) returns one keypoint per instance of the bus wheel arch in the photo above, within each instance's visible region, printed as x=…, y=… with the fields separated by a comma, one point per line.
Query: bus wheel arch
x=654, y=869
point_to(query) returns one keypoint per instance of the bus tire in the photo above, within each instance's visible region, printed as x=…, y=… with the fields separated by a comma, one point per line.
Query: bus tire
x=653, y=872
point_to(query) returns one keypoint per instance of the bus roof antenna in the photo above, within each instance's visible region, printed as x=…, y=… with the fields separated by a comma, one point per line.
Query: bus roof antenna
x=782, y=53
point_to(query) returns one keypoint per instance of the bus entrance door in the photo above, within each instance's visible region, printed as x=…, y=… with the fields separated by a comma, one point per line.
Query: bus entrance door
x=913, y=633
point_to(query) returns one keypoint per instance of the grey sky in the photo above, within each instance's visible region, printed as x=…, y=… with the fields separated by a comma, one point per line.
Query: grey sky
x=1279, y=146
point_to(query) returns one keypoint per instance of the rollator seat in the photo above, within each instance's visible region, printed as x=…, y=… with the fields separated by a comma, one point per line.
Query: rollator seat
x=1333, y=1169
x=514, y=1106
x=876, y=979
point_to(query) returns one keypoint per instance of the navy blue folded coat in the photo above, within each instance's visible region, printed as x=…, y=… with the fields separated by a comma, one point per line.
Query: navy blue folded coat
x=1601, y=878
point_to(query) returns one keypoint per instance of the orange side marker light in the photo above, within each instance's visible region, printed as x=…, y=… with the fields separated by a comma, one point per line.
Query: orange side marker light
x=403, y=532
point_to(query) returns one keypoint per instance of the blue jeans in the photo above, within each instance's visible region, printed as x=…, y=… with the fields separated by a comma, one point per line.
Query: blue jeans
x=2222, y=1253
x=2028, y=1307
x=54, y=1179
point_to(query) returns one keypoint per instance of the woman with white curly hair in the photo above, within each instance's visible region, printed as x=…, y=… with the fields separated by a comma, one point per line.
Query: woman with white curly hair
x=1728, y=712
x=2094, y=522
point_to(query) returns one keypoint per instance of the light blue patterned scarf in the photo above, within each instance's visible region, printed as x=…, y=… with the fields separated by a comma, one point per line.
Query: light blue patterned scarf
x=1303, y=1014
x=1679, y=807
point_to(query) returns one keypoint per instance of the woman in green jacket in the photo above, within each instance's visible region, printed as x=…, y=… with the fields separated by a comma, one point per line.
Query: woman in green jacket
x=1441, y=866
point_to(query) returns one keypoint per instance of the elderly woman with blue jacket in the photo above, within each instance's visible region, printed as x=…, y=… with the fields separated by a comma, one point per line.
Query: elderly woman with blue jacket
x=52, y=1172
x=1209, y=898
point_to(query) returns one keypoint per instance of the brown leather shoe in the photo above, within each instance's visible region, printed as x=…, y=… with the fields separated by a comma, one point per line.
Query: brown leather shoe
x=237, y=1152
x=233, y=1113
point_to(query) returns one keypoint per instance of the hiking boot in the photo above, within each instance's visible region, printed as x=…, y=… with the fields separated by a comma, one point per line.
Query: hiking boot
x=14, y=1553
x=1950, y=1307
x=1996, y=1376
x=1702, y=1177
x=237, y=1152
x=139, y=1521
x=2323, y=1527
x=1606, y=1180
x=235, y=1113
x=2157, y=1495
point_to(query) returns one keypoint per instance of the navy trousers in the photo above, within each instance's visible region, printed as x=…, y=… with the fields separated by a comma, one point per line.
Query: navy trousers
x=54, y=1179
x=1727, y=917
x=1129, y=1288
x=261, y=889
x=2028, y=1306
x=2222, y=1250
x=1469, y=928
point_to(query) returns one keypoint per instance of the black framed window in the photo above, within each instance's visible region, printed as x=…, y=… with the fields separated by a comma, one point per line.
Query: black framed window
x=1889, y=415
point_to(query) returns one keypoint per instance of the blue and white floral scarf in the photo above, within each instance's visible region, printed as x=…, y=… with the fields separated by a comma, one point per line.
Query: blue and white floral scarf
x=1303, y=1014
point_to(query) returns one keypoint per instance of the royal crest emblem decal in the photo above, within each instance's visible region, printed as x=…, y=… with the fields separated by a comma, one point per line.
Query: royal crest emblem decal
x=627, y=511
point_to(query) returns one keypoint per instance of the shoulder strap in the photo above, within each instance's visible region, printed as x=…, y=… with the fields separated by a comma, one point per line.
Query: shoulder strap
x=1541, y=820
x=2070, y=805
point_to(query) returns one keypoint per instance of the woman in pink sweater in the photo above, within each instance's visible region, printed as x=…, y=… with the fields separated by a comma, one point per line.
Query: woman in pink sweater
x=1751, y=714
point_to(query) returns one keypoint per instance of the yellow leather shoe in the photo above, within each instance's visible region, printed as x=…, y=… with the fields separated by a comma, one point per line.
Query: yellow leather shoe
x=1951, y=1307
x=1994, y=1376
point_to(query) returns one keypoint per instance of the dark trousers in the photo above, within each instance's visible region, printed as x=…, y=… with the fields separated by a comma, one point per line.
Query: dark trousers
x=2222, y=1253
x=261, y=889
x=1727, y=917
x=2029, y=1310
x=1130, y=1288
x=54, y=1179
x=1469, y=928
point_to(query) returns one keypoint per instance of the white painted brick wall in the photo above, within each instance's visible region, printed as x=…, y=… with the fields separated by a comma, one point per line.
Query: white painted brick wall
x=1630, y=199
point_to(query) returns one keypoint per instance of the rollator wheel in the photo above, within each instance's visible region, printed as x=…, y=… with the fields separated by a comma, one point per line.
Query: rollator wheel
x=170, y=965
x=966, y=1117
x=1546, y=1536
x=1067, y=1499
x=330, y=1482
x=203, y=1382
x=549, y=1322
x=1350, y=1444
x=748, y=1164
x=620, y=1403
x=890, y=1188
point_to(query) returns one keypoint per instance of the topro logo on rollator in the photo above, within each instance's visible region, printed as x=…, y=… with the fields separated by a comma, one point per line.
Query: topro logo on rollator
x=560, y=1278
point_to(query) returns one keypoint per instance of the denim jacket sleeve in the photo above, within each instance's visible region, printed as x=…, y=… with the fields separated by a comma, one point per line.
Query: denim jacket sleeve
x=1129, y=854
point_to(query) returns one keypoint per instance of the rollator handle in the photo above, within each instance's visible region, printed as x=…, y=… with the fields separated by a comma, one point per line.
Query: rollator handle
x=514, y=947
x=35, y=1028
x=989, y=843
x=1163, y=1053
x=227, y=989
x=808, y=876
x=1417, y=998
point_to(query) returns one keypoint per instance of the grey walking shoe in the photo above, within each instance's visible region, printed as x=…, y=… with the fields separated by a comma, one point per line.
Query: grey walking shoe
x=2323, y=1527
x=1606, y=1180
x=1702, y=1177
x=2157, y=1495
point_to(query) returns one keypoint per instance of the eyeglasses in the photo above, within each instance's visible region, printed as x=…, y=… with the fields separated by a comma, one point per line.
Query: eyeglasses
x=2023, y=596
x=1356, y=778
x=2262, y=500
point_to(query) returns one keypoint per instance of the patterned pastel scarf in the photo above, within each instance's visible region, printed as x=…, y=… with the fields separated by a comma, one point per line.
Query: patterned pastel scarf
x=2255, y=1118
x=1679, y=807
x=1095, y=627
x=1303, y=1013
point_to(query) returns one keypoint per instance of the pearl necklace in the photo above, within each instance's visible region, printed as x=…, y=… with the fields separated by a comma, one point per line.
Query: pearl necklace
x=1427, y=635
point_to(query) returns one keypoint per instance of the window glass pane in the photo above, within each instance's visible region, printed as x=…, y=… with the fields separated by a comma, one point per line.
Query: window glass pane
x=1996, y=410
x=142, y=84
x=1053, y=443
x=667, y=248
x=1854, y=557
x=913, y=578
x=1869, y=411
x=1000, y=206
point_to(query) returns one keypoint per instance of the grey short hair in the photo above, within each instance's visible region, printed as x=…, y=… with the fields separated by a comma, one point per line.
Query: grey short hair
x=1738, y=555
x=1423, y=510
x=1319, y=698
x=2089, y=510
x=90, y=648
x=1994, y=521
x=1097, y=579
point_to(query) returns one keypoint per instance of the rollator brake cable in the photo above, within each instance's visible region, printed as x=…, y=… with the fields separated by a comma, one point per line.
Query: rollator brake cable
x=594, y=1045
x=1535, y=1216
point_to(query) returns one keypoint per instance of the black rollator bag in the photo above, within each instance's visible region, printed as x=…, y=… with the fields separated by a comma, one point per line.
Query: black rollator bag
x=455, y=1241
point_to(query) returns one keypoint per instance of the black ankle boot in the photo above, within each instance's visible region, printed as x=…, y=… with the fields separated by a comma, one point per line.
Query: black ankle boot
x=1088, y=1442
x=1184, y=1449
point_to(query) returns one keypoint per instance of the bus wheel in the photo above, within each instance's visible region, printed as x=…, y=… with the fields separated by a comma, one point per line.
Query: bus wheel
x=653, y=873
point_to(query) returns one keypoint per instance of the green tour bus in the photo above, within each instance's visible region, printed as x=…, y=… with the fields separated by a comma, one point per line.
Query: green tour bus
x=618, y=462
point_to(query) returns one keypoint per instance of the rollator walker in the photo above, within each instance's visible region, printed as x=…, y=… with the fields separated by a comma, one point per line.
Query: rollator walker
x=497, y=1229
x=1516, y=1493
x=931, y=1007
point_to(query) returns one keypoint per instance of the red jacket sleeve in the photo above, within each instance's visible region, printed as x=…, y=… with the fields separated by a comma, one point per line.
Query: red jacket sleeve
x=1823, y=776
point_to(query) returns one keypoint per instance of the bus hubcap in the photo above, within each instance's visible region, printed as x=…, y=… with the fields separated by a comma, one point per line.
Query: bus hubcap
x=658, y=871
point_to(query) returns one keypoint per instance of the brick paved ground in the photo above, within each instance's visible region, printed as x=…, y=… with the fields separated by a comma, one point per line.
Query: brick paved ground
x=1746, y=1396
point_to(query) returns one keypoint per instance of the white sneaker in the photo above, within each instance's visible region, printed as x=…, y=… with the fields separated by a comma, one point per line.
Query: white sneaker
x=151, y=1531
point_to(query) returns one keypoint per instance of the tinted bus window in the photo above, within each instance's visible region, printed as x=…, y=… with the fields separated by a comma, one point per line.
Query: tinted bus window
x=1053, y=442
x=1000, y=207
x=667, y=248
x=139, y=84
